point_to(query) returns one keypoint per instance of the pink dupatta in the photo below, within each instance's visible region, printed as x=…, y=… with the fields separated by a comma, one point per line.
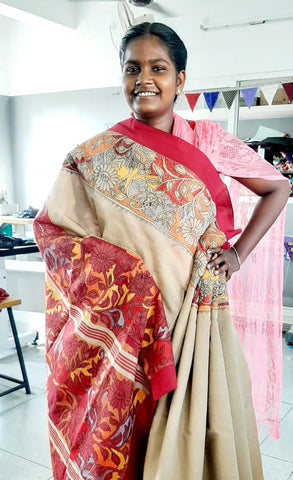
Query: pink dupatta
x=255, y=292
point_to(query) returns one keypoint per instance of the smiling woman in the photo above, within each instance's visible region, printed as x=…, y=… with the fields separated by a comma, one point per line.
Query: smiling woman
x=151, y=82
x=152, y=75
x=147, y=376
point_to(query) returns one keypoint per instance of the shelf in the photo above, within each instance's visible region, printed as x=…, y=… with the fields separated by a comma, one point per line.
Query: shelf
x=15, y=220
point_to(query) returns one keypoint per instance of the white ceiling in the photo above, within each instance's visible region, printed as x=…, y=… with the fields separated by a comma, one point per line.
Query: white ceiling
x=57, y=45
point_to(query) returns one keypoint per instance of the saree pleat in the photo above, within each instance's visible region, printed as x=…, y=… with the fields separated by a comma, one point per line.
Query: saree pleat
x=206, y=428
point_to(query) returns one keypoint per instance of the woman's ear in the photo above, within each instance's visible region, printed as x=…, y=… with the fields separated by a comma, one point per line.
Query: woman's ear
x=181, y=77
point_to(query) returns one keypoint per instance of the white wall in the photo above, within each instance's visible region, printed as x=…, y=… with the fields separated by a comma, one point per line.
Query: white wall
x=46, y=127
x=49, y=58
x=5, y=24
x=6, y=174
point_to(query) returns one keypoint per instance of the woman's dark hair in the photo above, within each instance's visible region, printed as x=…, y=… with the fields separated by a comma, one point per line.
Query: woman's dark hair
x=168, y=37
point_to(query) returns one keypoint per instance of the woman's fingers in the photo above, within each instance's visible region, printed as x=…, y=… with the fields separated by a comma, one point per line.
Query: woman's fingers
x=216, y=261
x=215, y=251
x=222, y=262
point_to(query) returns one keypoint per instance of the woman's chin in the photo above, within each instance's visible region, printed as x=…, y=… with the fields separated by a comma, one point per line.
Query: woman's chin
x=144, y=113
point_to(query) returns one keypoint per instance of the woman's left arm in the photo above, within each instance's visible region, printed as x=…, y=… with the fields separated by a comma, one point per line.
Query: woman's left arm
x=274, y=195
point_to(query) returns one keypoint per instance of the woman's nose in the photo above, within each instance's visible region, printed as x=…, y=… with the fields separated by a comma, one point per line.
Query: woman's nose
x=144, y=77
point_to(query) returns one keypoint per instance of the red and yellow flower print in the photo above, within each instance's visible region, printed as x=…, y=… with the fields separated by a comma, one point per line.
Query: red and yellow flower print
x=108, y=343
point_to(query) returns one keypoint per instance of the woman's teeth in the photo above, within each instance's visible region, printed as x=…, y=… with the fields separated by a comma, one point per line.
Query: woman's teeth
x=145, y=94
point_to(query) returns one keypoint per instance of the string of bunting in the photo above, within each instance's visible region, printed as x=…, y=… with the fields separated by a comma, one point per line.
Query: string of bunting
x=248, y=94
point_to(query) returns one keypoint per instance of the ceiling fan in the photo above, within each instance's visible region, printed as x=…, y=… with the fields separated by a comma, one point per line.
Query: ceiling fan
x=151, y=4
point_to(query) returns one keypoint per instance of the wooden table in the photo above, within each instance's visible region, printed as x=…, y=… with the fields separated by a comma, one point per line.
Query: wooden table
x=19, y=223
x=25, y=336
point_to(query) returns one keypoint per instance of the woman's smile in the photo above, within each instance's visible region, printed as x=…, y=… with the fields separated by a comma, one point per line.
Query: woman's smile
x=145, y=94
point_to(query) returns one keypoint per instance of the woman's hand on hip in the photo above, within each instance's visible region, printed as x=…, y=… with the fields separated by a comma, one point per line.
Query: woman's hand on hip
x=223, y=262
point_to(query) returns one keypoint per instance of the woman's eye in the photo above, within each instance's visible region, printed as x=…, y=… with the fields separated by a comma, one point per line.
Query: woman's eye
x=131, y=70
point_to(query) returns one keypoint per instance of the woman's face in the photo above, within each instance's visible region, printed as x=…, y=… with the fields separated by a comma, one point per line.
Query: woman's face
x=150, y=81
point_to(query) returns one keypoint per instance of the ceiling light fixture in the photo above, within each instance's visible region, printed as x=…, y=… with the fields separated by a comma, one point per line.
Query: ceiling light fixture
x=205, y=27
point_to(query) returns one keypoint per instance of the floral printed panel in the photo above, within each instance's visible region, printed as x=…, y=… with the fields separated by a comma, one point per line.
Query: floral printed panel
x=150, y=185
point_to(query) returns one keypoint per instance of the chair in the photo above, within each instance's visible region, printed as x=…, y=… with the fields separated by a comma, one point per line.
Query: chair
x=8, y=303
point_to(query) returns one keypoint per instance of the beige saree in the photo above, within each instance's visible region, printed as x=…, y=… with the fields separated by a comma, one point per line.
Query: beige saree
x=125, y=235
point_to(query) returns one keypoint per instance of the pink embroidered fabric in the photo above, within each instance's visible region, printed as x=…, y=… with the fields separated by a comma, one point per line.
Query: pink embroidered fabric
x=255, y=292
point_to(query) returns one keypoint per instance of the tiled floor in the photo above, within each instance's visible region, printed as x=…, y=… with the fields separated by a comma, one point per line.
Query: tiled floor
x=278, y=455
x=24, y=453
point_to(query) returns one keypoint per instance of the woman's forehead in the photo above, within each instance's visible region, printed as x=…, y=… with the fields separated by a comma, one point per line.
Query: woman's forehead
x=146, y=46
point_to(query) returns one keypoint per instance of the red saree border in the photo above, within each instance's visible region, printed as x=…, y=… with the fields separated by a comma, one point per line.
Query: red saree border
x=191, y=157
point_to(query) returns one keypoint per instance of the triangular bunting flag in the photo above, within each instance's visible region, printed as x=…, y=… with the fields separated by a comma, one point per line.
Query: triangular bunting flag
x=269, y=91
x=229, y=96
x=211, y=98
x=192, y=99
x=249, y=95
x=288, y=87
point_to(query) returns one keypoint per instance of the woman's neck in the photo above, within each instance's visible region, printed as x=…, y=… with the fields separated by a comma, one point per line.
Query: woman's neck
x=164, y=123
